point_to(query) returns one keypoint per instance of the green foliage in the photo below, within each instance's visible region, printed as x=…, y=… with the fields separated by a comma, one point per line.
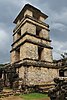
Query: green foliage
x=64, y=55
x=1, y=65
x=17, y=94
x=33, y=96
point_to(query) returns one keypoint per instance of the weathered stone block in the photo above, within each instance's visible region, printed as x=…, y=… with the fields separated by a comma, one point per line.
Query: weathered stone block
x=28, y=12
x=13, y=56
x=44, y=33
x=28, y=50
x=47, y=55
x=39, y=76
x=41, y=18
x=21, y=72
x=28, y=27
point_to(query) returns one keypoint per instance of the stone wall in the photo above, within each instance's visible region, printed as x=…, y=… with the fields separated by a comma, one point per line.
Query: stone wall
x=32, y=38
x=13, y=57
x=28, y=51
x=44, y=33
x=21, y=72
x=28, y=27
x=41, y=18
x=38, y=75
x=47, y=55
x=28, y=12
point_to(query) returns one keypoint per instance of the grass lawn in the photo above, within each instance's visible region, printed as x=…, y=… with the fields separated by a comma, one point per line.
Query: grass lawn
x=34, y=96
x=31, y=96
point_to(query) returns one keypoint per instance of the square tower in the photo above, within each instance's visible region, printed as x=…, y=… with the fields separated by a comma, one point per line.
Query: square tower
x=31, y=36
x=31, y=49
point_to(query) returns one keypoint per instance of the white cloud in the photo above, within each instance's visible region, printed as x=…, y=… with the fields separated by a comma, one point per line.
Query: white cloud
x=61, y=16
x=4, y=39
x=57, y=20
x=58, y=49
x=58, y=26
x=19, y=3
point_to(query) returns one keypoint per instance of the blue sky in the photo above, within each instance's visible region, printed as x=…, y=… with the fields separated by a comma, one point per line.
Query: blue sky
x=55, y=9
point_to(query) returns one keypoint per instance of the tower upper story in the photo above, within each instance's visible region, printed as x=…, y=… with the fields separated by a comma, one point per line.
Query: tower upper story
x=29, y=10
x=31, y=15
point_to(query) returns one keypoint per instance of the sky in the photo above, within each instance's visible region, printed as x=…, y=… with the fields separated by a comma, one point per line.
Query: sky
x=57, y=20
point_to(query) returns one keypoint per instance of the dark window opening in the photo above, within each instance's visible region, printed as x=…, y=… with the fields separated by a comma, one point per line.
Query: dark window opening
x=0, y=73
x=36, y=15
x=39, y=52
x=61, y=73
x=19, y=34
x=17, y=54
x=38, y=31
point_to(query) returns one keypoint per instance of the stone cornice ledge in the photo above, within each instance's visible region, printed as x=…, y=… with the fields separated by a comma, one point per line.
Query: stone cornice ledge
x=26, y=33
x=40, y=64
x=26, y=19
x=32, y=42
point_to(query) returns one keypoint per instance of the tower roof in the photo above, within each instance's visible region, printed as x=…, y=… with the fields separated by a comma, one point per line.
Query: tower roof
x=30, y=7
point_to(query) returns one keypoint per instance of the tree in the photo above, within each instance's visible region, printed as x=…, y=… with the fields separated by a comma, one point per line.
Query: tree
x=64, y=55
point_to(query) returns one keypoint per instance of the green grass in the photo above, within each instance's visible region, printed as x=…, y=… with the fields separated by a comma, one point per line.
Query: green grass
x=33, y=96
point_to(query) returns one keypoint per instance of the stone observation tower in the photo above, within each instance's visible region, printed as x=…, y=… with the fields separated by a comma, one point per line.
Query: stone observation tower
x=31, y=49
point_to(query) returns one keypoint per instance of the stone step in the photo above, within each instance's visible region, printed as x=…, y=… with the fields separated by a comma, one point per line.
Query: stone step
x=6, y=94
x=45, y=88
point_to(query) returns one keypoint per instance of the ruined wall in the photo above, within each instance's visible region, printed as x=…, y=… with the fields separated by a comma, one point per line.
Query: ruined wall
x=21, y=72
x=38, y=75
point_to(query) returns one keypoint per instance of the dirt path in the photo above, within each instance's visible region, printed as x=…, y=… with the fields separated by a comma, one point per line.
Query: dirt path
x=18, y=98
x=11, y=98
